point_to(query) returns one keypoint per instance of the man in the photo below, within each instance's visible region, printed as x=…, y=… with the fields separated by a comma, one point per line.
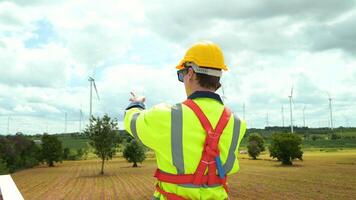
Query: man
x=196, y=142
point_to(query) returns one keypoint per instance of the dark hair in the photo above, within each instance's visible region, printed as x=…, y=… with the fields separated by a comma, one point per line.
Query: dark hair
x=207, y=81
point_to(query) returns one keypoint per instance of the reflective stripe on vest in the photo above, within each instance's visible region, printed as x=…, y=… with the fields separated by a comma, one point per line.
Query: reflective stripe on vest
x=133, y=126
x=230, y=161
x=177, y=137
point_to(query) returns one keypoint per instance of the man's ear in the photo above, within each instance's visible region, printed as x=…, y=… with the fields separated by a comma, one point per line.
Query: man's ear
x=190, y=73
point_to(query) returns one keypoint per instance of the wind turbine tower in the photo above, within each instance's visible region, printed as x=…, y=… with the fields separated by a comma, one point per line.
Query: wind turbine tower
x=223, y=93
x=92, y=83
x=80, y=120
x=331, y=112
x=291, y=109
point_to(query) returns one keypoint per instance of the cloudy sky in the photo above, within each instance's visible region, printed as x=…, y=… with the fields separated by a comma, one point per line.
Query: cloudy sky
x=49, y=48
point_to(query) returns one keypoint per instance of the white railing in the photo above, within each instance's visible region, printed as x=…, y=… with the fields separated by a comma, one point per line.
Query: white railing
x=8, y=189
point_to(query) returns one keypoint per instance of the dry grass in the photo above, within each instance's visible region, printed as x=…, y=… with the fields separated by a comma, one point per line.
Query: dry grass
x=321, y=176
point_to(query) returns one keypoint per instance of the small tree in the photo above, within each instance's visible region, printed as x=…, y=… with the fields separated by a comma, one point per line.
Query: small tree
x=255, y=145
x=51, y=149
x=286, y=147
x=134, y=152
x=104, y=138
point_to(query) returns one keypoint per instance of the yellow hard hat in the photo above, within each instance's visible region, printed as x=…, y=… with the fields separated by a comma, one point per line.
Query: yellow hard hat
x=204, y=54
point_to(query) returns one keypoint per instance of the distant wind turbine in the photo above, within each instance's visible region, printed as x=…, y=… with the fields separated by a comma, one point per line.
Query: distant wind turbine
x=331, y=112
x=92, y=83
x=80, y=120
x=223, y=96
x=291, y=109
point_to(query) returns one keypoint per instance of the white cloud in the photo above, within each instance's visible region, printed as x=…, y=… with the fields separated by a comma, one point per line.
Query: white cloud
x=134, y=45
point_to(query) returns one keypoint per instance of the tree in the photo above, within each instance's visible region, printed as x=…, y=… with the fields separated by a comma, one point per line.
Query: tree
x=29, y=153
x=255, y=145
x=103, y=133
x=134, y=152
x=19, y=152
x=286, y=147
x=51, y=149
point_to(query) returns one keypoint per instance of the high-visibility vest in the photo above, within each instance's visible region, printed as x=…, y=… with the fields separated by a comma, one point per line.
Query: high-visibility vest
x=177, y=136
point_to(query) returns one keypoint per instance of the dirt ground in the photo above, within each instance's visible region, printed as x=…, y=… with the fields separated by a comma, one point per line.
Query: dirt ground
x=320, y=176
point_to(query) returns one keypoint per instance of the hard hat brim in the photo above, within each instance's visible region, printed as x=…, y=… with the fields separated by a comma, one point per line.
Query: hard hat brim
x=181, y=66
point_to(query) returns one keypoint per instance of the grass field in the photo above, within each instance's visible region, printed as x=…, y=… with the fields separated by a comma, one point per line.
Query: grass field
x=322, y=175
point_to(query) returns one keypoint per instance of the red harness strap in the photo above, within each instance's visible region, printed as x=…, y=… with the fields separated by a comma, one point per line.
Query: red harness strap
x=207, y=161
x=170, y=196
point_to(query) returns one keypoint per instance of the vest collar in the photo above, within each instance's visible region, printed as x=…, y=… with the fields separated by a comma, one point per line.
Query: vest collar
x=206, y=94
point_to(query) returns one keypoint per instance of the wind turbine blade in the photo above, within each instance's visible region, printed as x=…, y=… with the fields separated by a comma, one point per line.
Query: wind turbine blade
x=96, y=90
x=291, y=92
x=223, y=91
x=94, y=70
x=329, y=95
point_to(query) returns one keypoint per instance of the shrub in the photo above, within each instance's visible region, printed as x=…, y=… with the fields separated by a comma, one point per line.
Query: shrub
x=51, y=149
x=286, y=147
x=255, y=145
x=134, y=152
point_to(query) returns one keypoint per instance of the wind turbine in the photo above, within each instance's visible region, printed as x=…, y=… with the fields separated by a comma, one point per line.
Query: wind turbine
x=331, y=112
x=80, y=120
x=92, y=83
x=223, y=96
x=291, y=109
x=267, y=120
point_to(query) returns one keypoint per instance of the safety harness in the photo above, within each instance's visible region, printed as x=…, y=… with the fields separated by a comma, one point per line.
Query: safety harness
x=210, y=159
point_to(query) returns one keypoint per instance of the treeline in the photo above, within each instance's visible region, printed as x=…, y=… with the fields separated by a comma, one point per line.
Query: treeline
x=18, y=152
x=301, y=130
x=311, y=137
x=22, y=151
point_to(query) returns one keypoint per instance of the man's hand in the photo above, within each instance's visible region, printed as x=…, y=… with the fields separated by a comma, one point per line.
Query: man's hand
x=135, y=98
